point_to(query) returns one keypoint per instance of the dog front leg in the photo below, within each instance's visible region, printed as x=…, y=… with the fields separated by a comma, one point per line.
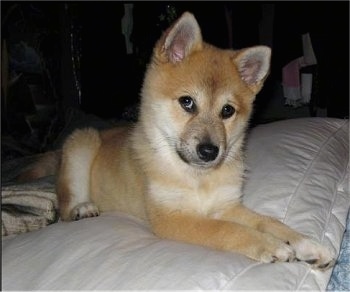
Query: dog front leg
x=218, y=234
x=305, y=248
x=73, y=182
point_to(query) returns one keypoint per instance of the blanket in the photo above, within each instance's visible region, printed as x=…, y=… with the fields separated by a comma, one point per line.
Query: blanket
x=26, y=206
x=340, y=279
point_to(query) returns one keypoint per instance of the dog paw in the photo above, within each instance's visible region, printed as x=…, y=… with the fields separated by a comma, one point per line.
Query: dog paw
x=313, y=253
x=277, y=251
x=84, y=210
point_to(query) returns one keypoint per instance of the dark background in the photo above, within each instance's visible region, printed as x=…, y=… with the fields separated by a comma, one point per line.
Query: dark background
x=59, y=56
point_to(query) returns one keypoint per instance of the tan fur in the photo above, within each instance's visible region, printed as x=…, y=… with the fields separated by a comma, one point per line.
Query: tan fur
x=154, y=169
x=46, y=165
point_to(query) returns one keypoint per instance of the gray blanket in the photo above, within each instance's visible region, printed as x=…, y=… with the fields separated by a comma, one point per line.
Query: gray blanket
x=26, y=206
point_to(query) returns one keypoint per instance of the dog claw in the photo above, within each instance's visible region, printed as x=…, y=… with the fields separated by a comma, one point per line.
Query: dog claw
x=315, y=264
x=84, y=210
x=311, y=262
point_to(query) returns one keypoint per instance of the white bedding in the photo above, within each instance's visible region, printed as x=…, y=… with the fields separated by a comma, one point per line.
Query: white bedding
x=297, y=171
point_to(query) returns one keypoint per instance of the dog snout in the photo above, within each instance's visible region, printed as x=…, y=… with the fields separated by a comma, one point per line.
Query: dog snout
x=207, y=151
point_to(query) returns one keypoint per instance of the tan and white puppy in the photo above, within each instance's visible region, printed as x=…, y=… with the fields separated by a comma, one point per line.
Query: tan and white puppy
x=180, y=166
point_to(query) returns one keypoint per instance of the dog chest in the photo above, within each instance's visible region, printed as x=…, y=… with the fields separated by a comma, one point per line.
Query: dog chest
x=207, y=202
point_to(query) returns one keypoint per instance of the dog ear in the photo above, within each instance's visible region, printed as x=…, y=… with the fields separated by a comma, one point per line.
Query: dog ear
x=253, y=65
x=182, y=38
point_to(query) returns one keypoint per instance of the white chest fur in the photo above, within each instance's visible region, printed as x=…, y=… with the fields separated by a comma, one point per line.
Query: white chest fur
x=206, y=201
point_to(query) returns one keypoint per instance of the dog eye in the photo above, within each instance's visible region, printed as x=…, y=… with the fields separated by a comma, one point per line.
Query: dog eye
x=227, y=111
x=187, y=104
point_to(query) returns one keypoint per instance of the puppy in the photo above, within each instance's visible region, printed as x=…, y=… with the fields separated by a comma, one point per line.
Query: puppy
x=180, y=166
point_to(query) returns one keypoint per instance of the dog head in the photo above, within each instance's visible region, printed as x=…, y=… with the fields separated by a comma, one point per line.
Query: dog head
x=196, y=98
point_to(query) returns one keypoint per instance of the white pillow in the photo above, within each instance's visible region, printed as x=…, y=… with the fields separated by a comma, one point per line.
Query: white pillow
x=296, y=173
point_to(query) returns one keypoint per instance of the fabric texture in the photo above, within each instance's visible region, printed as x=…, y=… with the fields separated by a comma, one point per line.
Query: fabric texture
x=28, y=207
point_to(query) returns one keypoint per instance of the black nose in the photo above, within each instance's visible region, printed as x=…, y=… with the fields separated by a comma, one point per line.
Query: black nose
x=207, y=152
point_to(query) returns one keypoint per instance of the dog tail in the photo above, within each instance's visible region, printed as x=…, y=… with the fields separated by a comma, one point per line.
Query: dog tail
x=46, y=165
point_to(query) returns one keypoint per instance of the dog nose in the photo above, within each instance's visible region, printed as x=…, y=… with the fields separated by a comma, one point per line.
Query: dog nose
x=207, y=152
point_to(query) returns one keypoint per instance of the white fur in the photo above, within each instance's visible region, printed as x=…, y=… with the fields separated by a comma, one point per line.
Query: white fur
x=210, y=203
x=80, y=151
x=79, y=173
x=308, y=249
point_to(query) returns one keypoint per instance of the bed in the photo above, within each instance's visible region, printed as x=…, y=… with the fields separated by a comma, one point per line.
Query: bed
x=296, y=170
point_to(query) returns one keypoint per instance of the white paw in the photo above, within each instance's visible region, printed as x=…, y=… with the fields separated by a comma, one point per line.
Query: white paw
x=285, y=253
x=277, y=251
x=315, y=254
x=84, y=210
